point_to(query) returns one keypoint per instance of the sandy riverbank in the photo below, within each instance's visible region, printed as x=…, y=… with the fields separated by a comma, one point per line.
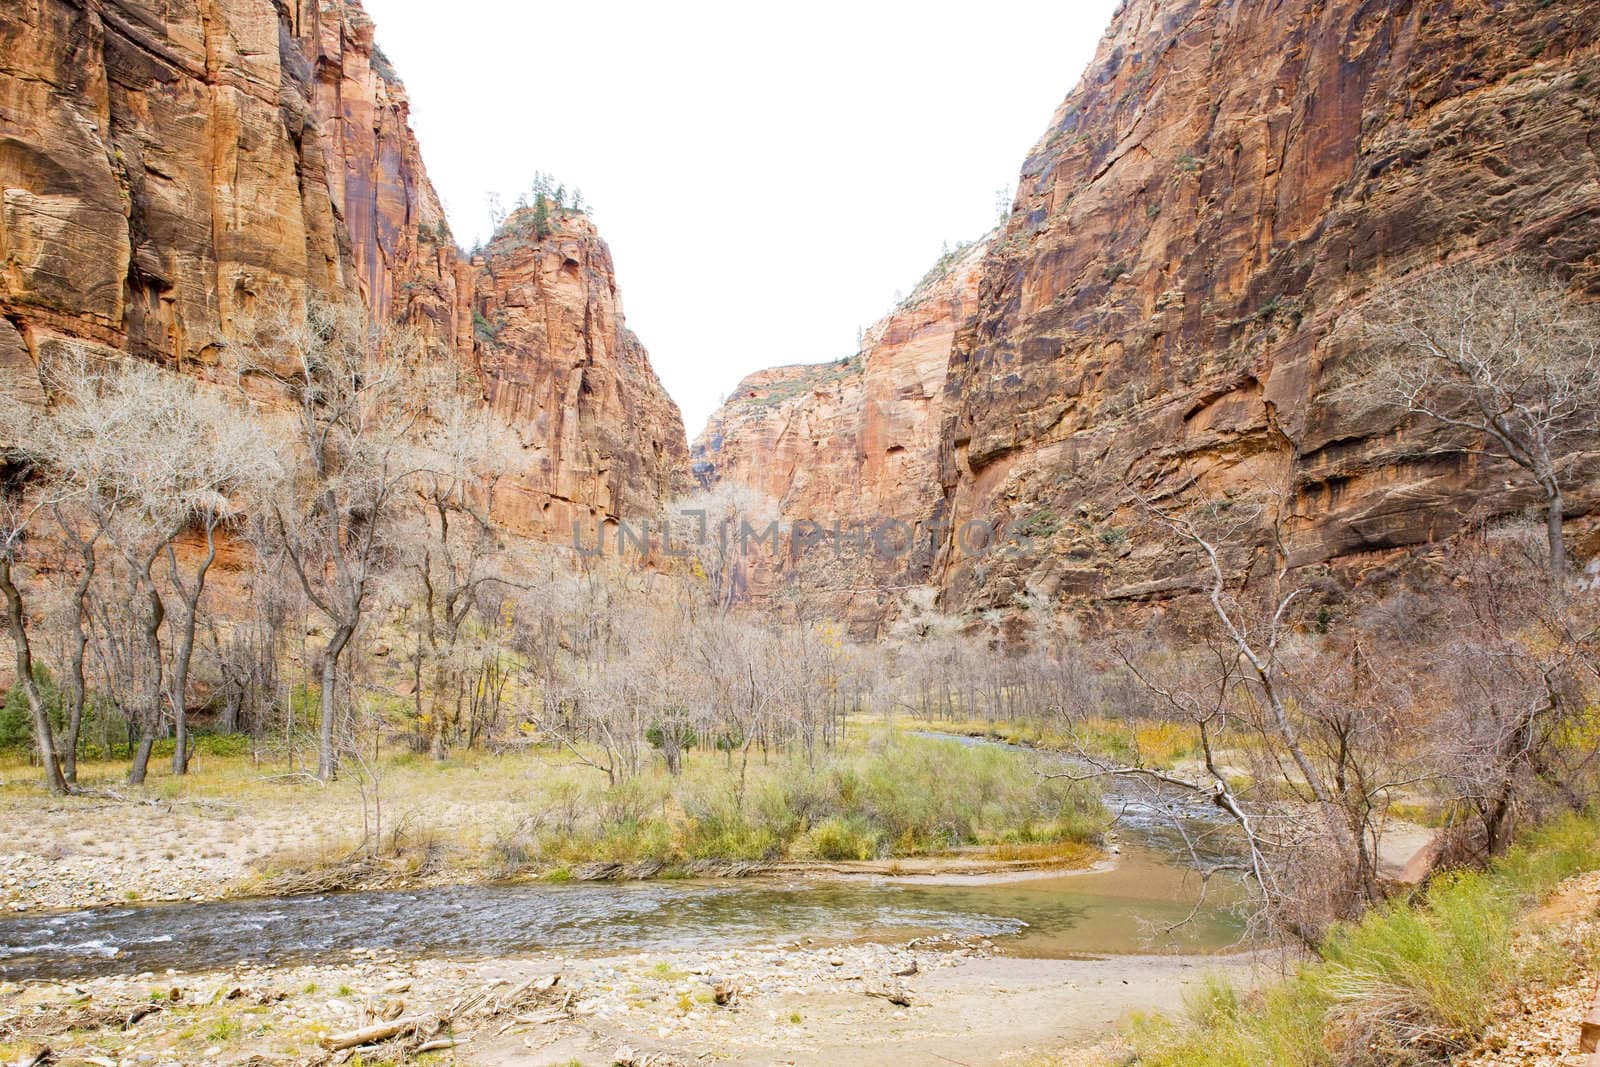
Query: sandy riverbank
x=798, y=1003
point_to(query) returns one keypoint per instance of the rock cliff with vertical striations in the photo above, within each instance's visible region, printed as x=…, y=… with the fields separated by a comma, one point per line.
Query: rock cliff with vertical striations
x=600, y=436
x=851, y=447
x=1172, y=298
x=165, y=167
x=1169, y=303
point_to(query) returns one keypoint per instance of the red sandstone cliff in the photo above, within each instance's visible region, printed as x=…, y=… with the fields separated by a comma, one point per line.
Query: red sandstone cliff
x=1227, y=185
x=600, y=435
x=165, y=166
x=851, y=442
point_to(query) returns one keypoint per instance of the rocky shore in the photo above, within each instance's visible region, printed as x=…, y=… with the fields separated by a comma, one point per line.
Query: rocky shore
x=799, y=1002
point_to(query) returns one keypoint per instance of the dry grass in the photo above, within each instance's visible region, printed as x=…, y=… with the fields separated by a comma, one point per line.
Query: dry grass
x=243, y=826
x=1146, y=742
x=1066, y=853
x=1410, y=984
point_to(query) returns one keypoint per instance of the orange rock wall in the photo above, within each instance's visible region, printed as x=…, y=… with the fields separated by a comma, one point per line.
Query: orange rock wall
x=846, y=443
x=1224, y=189
x=164, y=166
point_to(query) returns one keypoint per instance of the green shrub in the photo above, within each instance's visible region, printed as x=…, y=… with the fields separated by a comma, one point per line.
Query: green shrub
x=842, y=839
x=903, y=796
x=16, y=718
x=1407, y=984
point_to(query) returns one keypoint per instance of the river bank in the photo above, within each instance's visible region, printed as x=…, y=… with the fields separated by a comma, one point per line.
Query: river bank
x=794, y=1003
x=235, y=826
x=84, y=852
x=993, y=951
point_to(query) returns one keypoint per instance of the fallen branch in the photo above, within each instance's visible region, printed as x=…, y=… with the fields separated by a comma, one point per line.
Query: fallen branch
x=371, y=1035
x=438, y=1044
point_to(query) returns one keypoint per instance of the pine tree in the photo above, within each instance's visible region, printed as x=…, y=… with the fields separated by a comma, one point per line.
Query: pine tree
x=541, y=217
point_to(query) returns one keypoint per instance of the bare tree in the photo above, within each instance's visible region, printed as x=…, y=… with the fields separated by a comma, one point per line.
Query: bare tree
x=727, y=529
x=1500, y=352
x=151, y=455
x=355, y=413
x=76, y=621
x=1318, y=724
x=15, y=516
x=1516, y=683
x=449, y=546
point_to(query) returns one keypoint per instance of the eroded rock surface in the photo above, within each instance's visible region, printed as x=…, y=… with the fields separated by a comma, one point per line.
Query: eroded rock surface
x=1171, y=300
x=1207, y=213
x=168, y=167
x=851, y=448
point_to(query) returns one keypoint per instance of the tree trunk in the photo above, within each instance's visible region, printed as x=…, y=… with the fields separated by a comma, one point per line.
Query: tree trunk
x=327, y=765
x=179, y=690
x=79, y=693
x=156, y=613
x=141, y=758
x=79, y=697
x=1555, y=516
x=43, y=736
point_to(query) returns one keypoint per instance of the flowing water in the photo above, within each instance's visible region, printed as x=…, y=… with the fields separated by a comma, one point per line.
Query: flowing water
x=1168, y=820
x=1125, y=909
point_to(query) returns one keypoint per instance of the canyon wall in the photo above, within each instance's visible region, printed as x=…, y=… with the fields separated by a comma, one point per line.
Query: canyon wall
x=600, y=438
x=168, y=167
x=852, y=449
x=1169, y=304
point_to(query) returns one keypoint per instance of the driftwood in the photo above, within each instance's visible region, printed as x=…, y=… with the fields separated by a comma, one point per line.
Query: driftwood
x=373, y=1035
x=49, y=1022
x=347, y=873
x=424, y=1033
x=892, y=995
x=439, y=1044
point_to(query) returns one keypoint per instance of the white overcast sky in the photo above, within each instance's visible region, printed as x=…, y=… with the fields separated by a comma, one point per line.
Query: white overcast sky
x=768, y=175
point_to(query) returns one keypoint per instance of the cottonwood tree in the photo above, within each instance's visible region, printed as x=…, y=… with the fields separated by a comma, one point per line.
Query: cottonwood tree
x=1501, y=352
x=726, y=529
x=15, y=516
x=450, y=545
x=149, y=456
x=80, y=540
x=349, y=438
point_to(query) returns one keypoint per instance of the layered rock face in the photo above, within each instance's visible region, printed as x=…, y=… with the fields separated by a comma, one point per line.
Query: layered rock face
x=600, y=437
x=167, y=167
x=851, y=448
x=1169, y=304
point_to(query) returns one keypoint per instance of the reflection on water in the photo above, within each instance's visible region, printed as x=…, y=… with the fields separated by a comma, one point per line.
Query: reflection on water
x=1099, y=912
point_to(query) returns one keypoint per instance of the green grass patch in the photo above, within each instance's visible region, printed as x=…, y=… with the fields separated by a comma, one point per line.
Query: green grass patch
x=902, y=796
x=1411, y=983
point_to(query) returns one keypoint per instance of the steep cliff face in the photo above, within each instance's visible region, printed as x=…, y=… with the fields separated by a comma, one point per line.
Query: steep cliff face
x=853, y=448
x=1226, y=187
x=167, y=166
x=600, y=436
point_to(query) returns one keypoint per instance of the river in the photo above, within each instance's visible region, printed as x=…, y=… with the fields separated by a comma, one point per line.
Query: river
x=1119, y=910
